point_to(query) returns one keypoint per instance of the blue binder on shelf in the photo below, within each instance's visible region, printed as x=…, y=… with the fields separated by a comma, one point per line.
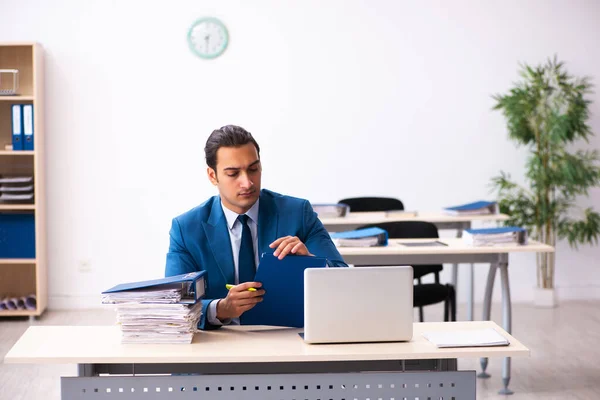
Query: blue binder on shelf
x=193, y=285
x=17, y=235
x=283, y=282
x=17, y=126
x=28, y=127
x=361, y=237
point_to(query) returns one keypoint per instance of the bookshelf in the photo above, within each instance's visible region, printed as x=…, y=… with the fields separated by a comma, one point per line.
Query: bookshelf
x=20, y=277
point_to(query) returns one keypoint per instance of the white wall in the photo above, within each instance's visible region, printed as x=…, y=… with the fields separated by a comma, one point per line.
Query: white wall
x=345, y=98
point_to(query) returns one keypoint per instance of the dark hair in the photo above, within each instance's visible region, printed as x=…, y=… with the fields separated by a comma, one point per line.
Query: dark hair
x=226, y=136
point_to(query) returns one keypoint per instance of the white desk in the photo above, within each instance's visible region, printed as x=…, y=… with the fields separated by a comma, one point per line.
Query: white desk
x=255, y=363
x=456, y=251
x=442, y=220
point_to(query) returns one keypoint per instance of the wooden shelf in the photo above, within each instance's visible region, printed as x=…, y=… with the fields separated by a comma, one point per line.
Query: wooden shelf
x=16, y=99
x=18, y=313
x=16, y=207
x=25, y=275
x=17, y=260
x=16, y=153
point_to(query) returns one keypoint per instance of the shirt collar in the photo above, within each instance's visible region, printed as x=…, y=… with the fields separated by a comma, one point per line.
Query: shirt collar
x=231, y=216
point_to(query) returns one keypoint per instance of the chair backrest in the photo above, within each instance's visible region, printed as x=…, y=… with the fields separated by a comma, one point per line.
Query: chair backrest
x=408, y=229
x=360, y=204
x=413, y=230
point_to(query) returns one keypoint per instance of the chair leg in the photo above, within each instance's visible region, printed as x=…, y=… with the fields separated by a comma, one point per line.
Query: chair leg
x=421, y=319
x=446, y=305
x=453, y=302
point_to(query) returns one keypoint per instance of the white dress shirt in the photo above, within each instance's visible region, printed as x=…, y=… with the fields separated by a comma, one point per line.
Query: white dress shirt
x=235, y=236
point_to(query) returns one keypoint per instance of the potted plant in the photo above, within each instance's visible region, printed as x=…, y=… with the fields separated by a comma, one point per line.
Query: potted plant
x=547, y=112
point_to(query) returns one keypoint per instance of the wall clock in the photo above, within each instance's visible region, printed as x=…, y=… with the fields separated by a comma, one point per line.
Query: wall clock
x=208, y=38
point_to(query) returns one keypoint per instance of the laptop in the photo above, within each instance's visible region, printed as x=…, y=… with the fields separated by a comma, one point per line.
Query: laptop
x=354, y=305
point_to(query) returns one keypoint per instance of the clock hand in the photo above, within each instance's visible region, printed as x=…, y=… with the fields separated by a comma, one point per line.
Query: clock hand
x=206, y=40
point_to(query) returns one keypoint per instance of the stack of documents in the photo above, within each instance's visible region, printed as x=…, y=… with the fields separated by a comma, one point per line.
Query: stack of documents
x=331, y=210
x=467, y=338
x=506, y=235
x=476, y=208
x=367, y=237
x=19, y=188
x=158, y=311
x=158, y=323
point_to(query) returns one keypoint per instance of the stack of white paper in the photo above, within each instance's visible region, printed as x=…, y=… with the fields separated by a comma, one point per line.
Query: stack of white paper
x=150, y=295
x=467, y=338
x=155, y=315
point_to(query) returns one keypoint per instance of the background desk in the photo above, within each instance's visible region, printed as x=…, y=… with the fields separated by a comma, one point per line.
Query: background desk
x=443, y=221
x=440, y=219
x=269, y=362
x=456, y=251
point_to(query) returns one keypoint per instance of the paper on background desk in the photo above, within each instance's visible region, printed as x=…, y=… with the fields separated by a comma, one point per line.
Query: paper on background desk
x=435, y=243
x=471, y=338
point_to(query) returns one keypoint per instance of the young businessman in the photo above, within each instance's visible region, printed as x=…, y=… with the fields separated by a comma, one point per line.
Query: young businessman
x=226, y=234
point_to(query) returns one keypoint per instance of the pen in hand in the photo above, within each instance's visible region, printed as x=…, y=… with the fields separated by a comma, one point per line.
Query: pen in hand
x=228, y=286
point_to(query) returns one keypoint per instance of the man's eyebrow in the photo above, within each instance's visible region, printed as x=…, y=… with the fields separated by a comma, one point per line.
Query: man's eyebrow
x=238, y=168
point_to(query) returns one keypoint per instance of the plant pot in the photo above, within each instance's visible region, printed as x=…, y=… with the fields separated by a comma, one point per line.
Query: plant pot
x=544, y=298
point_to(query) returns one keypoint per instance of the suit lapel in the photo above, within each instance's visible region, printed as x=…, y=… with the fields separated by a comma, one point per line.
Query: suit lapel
x=218, y=238
x=267, y=222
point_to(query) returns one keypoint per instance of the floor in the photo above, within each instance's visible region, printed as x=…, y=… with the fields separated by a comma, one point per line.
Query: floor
x=564, y=362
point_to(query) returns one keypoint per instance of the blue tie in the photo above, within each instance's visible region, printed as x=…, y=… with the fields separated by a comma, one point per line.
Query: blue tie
x=246, y=263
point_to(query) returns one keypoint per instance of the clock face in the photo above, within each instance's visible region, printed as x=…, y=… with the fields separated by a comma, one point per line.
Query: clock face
x=208, y=37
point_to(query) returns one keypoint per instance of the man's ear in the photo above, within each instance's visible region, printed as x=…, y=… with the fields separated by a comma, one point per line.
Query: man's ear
x=212, y=176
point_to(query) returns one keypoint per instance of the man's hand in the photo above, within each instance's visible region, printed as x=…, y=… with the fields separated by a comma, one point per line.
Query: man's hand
x=239, y=300
x=287, y=245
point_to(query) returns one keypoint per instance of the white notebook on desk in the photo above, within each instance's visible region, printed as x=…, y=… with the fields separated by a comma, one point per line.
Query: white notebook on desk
x=467, y=338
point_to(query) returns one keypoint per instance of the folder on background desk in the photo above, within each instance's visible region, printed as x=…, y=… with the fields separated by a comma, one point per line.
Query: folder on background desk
x=476, y=208
x=331, y=210
x=283, y=282
x=495, y=236
x=366, y=237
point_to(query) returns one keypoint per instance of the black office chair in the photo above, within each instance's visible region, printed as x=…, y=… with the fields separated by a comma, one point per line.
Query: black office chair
x=424, y=294
x=359, y=204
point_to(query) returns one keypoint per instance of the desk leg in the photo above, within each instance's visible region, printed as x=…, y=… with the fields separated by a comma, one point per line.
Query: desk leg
x=471, y=293
x=487, y=310
x=86, y=370
x=506, y=323
x=459, y=233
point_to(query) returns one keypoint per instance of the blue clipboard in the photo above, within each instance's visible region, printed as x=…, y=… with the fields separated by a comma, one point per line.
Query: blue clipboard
x=283, y=282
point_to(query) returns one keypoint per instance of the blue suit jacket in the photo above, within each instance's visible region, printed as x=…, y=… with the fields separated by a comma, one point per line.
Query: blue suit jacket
x=200, y=240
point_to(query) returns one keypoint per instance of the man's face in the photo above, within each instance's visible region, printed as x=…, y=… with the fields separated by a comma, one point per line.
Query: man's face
x=237, y=177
